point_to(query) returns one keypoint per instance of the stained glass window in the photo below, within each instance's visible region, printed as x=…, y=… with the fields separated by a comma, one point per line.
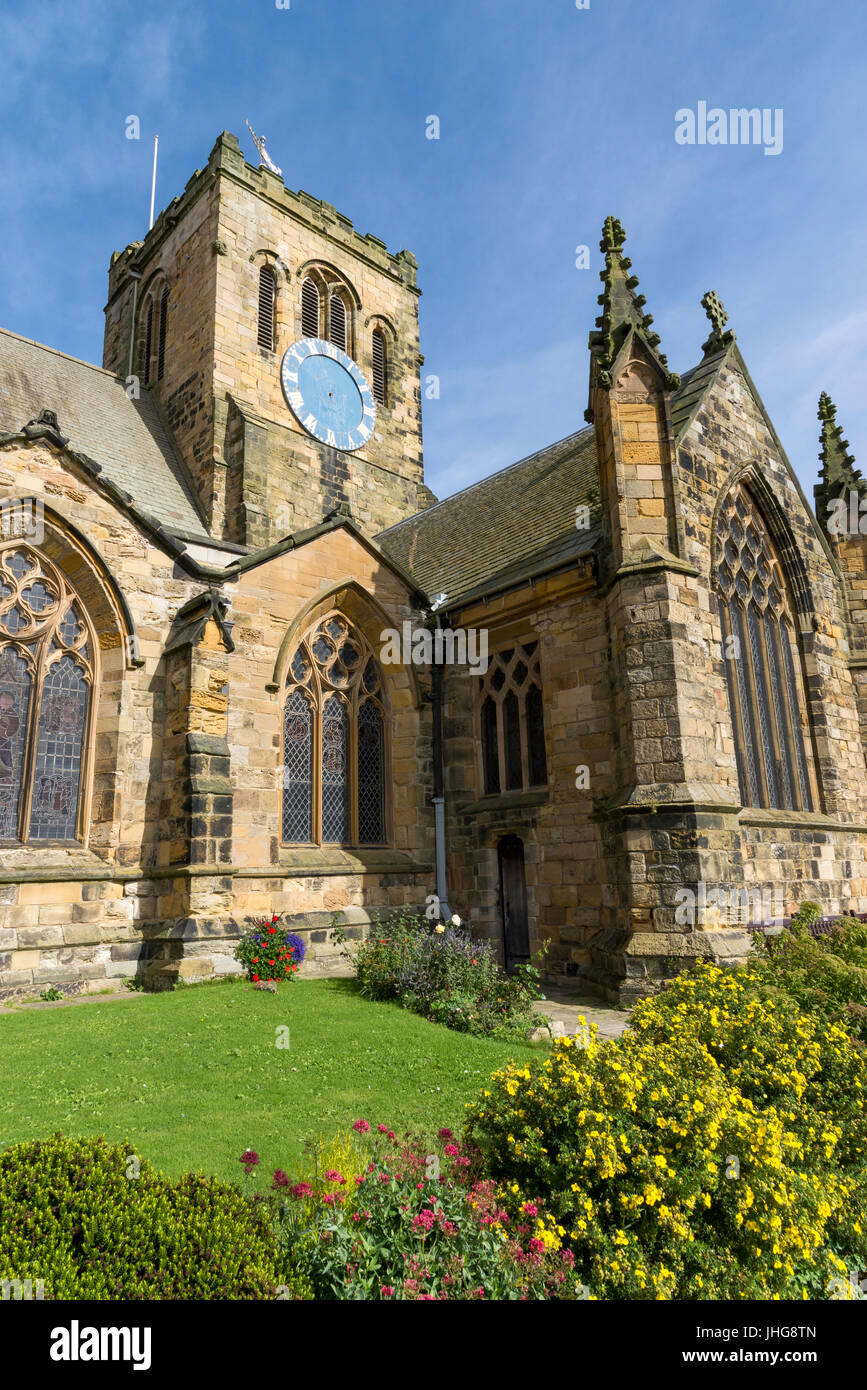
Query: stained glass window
x=335, y=733
x=762, y=661
x=46, y=680
x=298, y=768
x=512, y=724
x=370, y=771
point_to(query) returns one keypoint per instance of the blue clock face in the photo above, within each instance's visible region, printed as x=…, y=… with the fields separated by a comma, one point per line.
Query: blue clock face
x=328, y=394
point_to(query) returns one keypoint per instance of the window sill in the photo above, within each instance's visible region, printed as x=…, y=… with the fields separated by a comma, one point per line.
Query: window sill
x=504, y=801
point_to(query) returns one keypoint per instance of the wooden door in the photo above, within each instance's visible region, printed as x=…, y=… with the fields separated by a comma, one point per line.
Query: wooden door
x=513, y=902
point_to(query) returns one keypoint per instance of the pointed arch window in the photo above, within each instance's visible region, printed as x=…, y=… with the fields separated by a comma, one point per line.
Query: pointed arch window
x=379, y=358
x=161, y=346
x=47, y=656
x=310, y=308
x=337, y=321
x=267, y=300
x=511, y=721
x=762, y=659
x=335, y=736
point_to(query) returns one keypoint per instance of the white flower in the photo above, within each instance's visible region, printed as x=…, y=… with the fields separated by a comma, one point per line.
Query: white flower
x=456, y=921
x=440, y=928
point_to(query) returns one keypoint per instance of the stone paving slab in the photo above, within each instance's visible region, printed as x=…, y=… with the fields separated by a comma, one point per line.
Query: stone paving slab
x=567, y=1009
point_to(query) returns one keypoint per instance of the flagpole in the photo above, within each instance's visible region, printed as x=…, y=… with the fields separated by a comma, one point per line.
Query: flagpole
x=154, y=181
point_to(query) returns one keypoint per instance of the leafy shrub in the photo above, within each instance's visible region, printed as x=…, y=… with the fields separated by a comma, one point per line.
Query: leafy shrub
x=417, y=1222
x=96, y=1222
x=716, y=1150
x=440, y=972
x=825, y=975
x=268, y=951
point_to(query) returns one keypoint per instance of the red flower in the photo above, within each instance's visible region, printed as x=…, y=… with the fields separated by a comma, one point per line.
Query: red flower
x=255, y=977
x=272, y=930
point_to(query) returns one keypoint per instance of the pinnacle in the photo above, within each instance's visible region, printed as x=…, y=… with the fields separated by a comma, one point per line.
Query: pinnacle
x=839, y=473
x=622, y=308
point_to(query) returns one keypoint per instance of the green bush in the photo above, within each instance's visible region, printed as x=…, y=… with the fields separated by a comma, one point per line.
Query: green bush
x=716, y=1150
x=825, y=975
x=94, y=1221
x=439, y=971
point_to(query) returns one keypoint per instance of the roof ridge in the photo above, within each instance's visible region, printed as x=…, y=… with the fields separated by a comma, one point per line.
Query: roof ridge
x=489, y=477
x=56, y=352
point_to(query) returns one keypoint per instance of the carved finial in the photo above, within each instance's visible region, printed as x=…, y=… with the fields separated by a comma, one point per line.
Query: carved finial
x=839, y=474
x=715, y=310
x=613, y=235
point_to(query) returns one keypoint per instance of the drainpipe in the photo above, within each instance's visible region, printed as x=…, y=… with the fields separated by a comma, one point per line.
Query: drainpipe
x=438, y=798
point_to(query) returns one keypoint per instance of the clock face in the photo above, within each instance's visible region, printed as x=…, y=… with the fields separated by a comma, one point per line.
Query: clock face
x=328, y=393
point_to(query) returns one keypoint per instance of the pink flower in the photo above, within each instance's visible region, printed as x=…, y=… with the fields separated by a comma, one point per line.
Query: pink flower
x=424, y=1221
x=383, y=1129
x=359, y=1179
x=362, y=1126
x=445, y=1134
x=537, y=1246
x=301, y=1189
x=332, y=1175
x=530, y=1208
x=452, y=1150
x=387, y=1290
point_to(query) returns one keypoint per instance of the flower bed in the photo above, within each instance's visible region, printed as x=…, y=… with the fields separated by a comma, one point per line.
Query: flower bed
x=439, y=971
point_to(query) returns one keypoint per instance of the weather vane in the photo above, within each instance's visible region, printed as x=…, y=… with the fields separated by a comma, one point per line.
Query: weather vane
x=264, y=157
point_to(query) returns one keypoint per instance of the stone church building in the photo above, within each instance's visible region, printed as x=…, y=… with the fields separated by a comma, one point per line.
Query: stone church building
x=206, y=541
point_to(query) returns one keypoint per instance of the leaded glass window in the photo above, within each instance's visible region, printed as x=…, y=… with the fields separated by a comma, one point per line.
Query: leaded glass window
x=335, y=737
x=511, y=722
x=762, y=659
x=46, y=684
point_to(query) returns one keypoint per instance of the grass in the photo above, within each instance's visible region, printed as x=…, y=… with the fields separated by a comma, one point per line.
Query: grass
x=194, y=1077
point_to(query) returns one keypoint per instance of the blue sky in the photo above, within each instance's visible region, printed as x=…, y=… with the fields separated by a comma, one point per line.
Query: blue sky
x=551, y=117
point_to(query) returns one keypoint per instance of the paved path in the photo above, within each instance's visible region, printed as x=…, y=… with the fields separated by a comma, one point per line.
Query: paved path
x=565, y=1006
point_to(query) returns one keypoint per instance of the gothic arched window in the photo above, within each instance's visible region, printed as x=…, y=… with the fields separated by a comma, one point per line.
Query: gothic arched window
x=337, y=321
x=334, y=739
x=310, y=310
x=762, y=659
x=47, y=654
x=512, y=726
x=379, y=357
x=267, y=298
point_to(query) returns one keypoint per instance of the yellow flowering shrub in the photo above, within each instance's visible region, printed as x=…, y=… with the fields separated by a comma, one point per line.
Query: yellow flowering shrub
x=698, y=1156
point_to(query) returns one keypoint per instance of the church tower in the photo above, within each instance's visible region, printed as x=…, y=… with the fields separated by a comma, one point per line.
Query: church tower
x=282, y=348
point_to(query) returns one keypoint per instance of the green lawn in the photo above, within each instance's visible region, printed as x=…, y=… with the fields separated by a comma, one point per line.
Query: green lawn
x=194, y=1077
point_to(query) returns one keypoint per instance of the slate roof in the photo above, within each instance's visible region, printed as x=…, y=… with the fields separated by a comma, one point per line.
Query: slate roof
x=126, y=438
x=687, y=399
x=505, y=527
x=521, y=520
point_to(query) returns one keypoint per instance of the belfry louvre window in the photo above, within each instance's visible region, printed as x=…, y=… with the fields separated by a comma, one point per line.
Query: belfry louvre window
x=267, y=297
x=335, y=734
x=511, y=723
x=380, y=366
x=309, y=308
x=337, y=322
x=46, y=686
x=762, y=660
x=148, y=343
x=161, y=347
